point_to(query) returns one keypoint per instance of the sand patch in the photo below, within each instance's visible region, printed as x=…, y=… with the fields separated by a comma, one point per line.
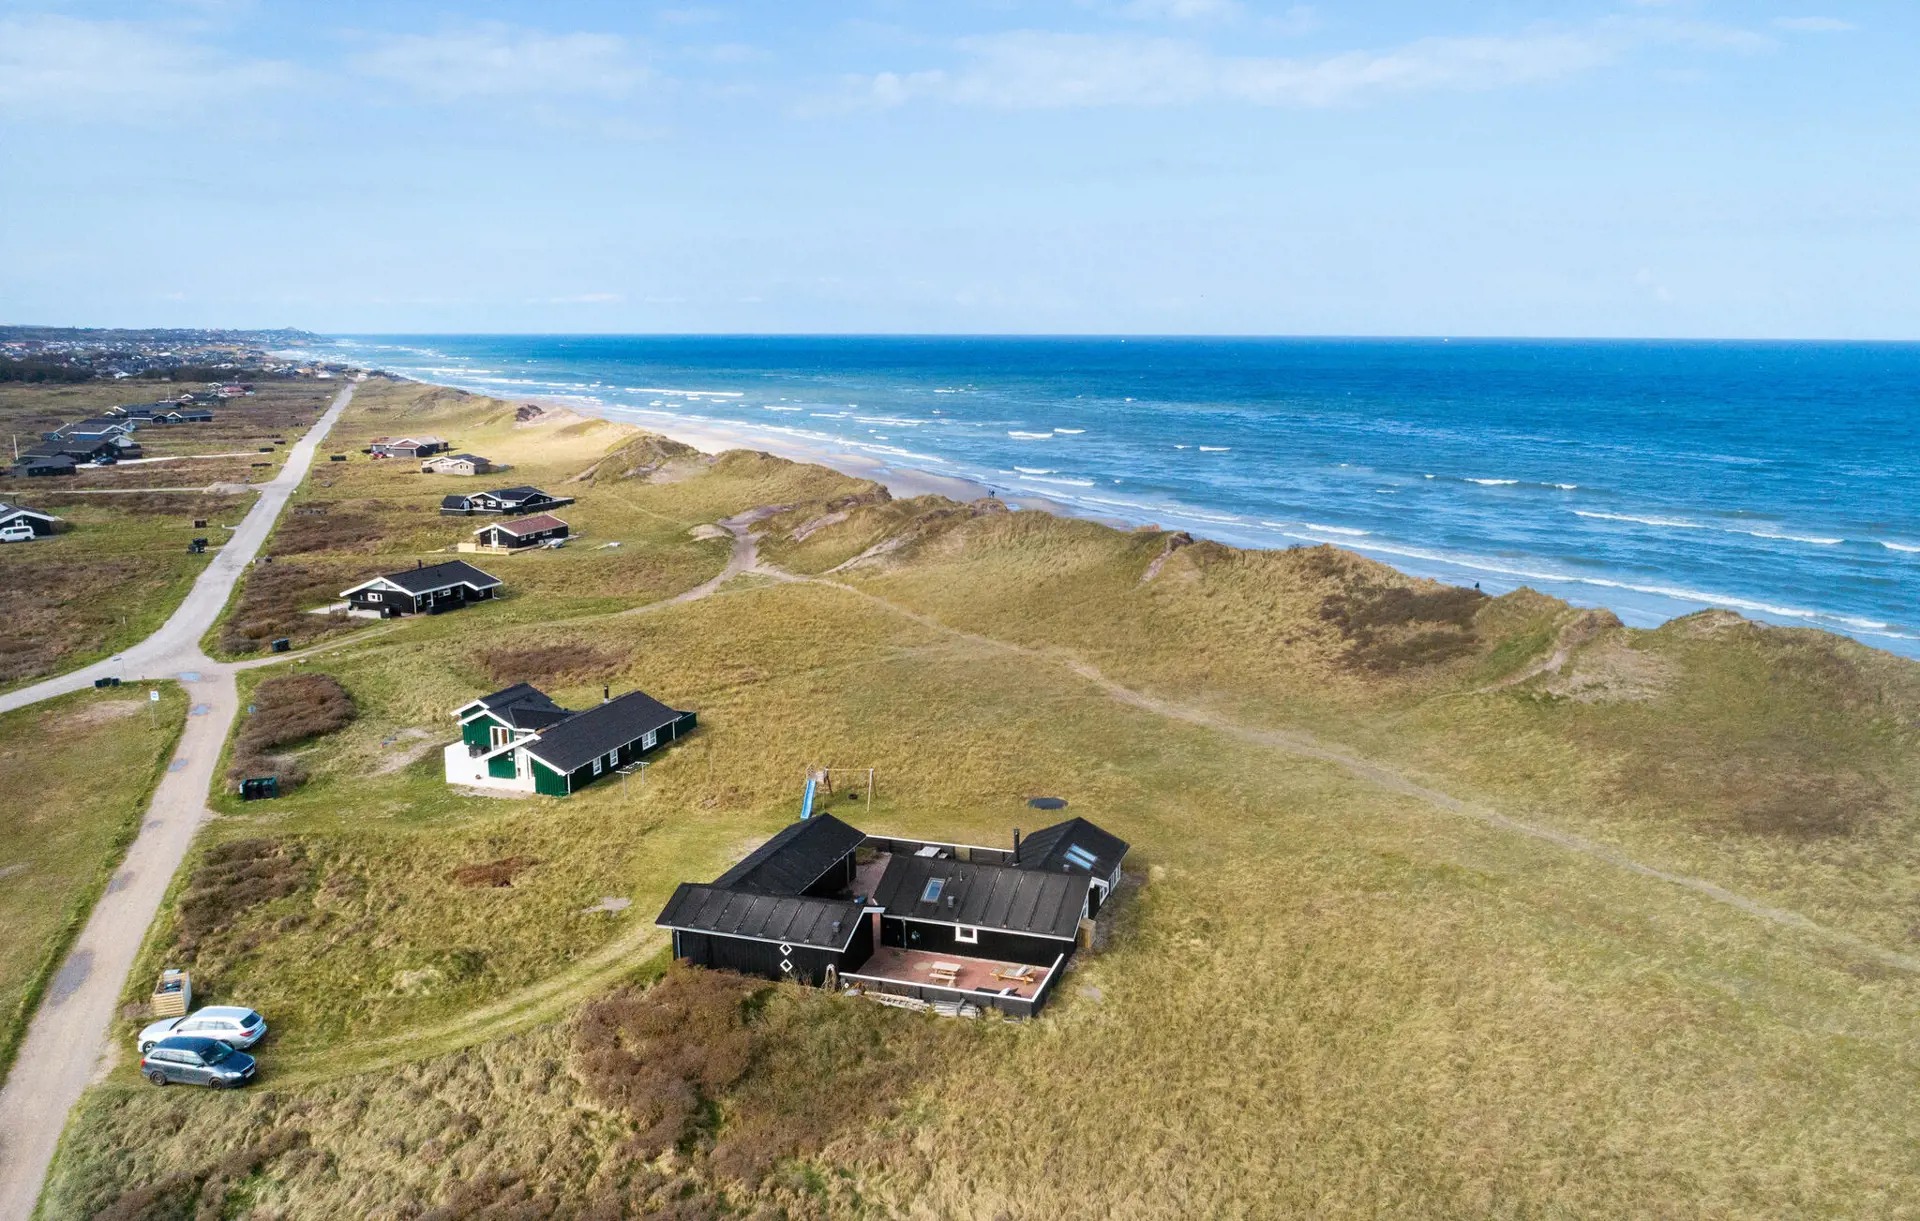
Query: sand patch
x=1612, y=672
x=680, y=469
x=406, y=747
x=704, y=532
x=609, y=904
x=550, y=416
x=102, y=712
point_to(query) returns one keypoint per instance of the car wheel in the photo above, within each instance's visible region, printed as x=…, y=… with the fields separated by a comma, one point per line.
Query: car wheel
x=146, y=1047
x=157, y=1077
x=216, y=1084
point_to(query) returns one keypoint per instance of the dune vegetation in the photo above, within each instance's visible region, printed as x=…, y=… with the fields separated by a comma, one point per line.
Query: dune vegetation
x=1439, y=905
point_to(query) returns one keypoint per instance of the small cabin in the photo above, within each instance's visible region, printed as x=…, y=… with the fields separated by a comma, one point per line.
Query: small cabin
x=426, y=590
x=42, y=524
x=406, y=447
x=519, y=739
x=522, y=532
x=501, y=500
x=456, y=464
x=35, y=466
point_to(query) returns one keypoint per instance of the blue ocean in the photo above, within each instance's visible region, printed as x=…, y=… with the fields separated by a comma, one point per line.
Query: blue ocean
x=1781, y=480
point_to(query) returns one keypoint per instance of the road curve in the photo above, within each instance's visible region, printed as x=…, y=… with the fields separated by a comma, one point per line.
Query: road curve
x=65, y=1043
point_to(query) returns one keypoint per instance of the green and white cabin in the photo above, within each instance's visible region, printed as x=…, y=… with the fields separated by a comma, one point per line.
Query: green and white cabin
x=519, y=739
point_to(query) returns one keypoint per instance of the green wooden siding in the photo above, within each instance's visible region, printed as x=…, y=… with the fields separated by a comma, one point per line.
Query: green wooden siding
x=548, y=781
x=475, y=732
x=500, y=767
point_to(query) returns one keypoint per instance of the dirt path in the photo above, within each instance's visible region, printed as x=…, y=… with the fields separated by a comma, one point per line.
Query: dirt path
x=63, y=1050
x=1305, y=745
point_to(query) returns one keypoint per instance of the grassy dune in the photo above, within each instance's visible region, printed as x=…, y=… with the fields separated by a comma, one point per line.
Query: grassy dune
x=75, y=775
x=1329, y=990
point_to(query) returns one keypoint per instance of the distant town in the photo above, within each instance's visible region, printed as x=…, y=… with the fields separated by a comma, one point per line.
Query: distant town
x=82, y=354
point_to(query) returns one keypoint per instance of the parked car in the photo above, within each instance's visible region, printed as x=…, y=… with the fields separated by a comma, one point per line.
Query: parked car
x=193, y=1059
x=231, y=1024
x=18, y=532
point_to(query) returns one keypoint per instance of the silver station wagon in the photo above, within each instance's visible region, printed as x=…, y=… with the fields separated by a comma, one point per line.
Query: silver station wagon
x=196, y=1060
x=231, y=1024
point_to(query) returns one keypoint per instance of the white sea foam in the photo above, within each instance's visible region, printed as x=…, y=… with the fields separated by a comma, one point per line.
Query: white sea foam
x=1030, y=436
x=717, y=394
x=828, y=415
x=1070, y=483
x=1898, y=546
x=1070, y=432
x=1215, y=449
x=1676, y=523
x=1336, y=529
x=771, y=407
x=1033, y=470
x=895, y=421
x=1797, y=538
x=1183, y=447
x=1494, y=483
x=1565, y=487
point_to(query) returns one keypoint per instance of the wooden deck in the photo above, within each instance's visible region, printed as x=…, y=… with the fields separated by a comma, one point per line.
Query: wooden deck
x=917, y=967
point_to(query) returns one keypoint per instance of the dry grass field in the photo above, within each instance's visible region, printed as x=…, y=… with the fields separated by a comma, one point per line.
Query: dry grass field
x=120, y=566
x=75, y=775
x=1438, y=906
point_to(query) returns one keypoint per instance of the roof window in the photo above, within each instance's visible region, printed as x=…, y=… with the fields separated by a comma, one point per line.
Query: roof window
x=932, y=892
x=1076, y=855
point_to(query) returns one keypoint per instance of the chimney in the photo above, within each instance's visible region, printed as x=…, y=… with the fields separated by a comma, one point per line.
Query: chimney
x=1016, y=843
x=606, y=693
x=419, y=563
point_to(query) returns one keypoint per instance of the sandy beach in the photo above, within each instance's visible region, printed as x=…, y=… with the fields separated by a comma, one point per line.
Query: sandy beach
x=902, y=481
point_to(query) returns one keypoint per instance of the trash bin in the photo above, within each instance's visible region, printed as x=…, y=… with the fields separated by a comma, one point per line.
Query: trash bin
x=282, y=644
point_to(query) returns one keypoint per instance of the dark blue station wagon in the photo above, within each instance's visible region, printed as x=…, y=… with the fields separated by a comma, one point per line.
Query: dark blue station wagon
x=196, y=1060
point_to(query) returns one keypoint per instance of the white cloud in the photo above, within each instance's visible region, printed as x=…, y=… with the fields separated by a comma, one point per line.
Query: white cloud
x=1814, y=25
x=492, y=59
x=117, y=70
x=1036, y=69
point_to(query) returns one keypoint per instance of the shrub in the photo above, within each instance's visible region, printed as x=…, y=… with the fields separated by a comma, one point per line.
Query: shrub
x=232, y=878
x=287, y=710
x=271, y=603
x=542, y=662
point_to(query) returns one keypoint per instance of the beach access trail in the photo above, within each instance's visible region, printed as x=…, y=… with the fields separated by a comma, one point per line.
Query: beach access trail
x=64, y=1046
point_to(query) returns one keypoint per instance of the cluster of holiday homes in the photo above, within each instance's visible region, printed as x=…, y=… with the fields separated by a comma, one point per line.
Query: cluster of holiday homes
x=100, y=440
x=953, y=927
x=519, y=739
x=456, y=464
x=425, y=589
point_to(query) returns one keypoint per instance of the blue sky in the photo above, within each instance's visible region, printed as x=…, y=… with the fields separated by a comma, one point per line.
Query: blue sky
x=1159, y=166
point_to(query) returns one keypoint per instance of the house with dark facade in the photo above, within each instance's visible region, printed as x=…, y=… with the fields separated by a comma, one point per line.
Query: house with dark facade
x=37, y=465
x=953, y=927
x=185, y=415
x=405, y=447
x=521, y=532
x=426, y=590
x=519, y=739
x=42, y=524
x=501, y=500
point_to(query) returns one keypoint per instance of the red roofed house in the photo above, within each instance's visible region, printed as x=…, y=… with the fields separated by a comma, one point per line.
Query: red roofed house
x=525, y=532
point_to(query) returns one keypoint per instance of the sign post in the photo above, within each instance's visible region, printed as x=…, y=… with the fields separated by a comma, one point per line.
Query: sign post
x=153, y=708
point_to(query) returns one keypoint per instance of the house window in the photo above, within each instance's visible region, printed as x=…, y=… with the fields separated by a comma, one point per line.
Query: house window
x=596, y=767
x=966, y=935
x=373, y=597
x=932, y=892
x=500, y=735
x=649, y=739
x=611, y=757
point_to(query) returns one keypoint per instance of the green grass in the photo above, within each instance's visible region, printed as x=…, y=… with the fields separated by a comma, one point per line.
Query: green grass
x=75, y=777
x=1323, y=995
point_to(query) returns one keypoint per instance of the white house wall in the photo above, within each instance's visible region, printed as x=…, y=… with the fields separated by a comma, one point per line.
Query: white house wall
x=463, y=768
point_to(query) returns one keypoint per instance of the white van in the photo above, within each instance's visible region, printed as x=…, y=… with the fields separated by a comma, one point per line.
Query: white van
x=18, y=532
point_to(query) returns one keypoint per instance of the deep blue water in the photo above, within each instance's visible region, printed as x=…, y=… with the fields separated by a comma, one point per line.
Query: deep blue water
x=1776, y=479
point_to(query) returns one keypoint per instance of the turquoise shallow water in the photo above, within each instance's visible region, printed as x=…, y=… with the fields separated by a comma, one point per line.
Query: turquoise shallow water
x=1776, y=479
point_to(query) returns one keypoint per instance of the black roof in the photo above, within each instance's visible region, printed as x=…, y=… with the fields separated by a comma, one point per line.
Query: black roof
x=45, y=460
x=584, y=736
x=986, y=896
x=468, y=457
x=1054, y=849
x=825, y=924
x=455, y=501
x=520, y=493
x=523, y=706
x=439, y=576
x=797, y=856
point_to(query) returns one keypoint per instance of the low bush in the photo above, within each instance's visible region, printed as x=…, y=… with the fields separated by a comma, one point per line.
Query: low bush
x=274, y=600
x=289, y=709
x=234, y=877
x=540, y=663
